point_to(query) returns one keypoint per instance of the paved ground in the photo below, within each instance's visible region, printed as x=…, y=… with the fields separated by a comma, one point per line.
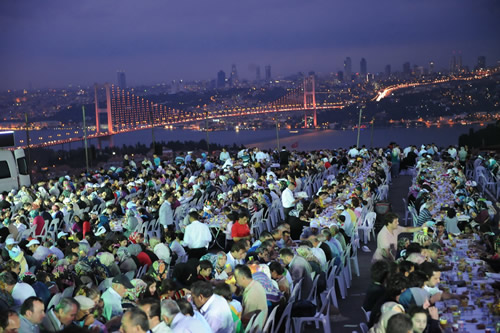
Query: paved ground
x=350, y=307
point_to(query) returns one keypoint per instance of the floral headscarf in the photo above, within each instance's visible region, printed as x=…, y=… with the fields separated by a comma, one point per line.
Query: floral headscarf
x=139, y=288
x=122, y=254
x=50, y=261
x=28, y=277
x=159, y=270
x=106, y=258
x=83, y=267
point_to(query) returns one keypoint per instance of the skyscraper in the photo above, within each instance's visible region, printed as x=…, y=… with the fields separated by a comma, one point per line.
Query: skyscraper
x=234, y=76
x=268, y=73
x=363, y=69
x=481, y=62
x=431, y=67
x=406, y=69
x=121, y=80
x=221, y=79
x=388, y=70
x=453, y=63
x=348, y=69
x=340, y=76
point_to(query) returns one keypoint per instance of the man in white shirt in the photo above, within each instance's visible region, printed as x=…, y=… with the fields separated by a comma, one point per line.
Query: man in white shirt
x=353, y=152
x=171, y=314
x=288, y=200
x=112, y=297
x=197, y=237
x=166, y=214
x=224, y=155
x=152, y=308
x=213, y=307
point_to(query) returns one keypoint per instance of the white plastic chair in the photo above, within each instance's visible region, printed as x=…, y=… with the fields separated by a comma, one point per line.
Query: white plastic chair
x=322, y=316
x=285, y=318
x=269, y=326
x=353, y=259
x=368, y=226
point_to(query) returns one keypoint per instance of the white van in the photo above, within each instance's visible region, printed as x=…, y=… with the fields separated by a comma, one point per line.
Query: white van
x=13, y=170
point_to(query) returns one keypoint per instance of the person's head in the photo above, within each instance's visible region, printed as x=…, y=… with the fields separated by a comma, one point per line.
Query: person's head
x=134, y=321
x=440, y=228
x=186, y=307
x=33, y=245
x=121, y=283
x=451, y=213
x=152, y=309
x=66, y=310
x=396, y=284
x=286, y=255
x=379, y=271
x=432, y=272
x=399, y=323
x=238, y=250
x=205, y=268
x=418, y=318
x=406, y=267
x=201, y=292
x=391, y=221
x=224, y=290
x=14, y=322
x=242, y=218
x=193, y=216
x=169, y=309
x=221, y=259
x=7, y=281
x=33, y=309
x=276, y=270
x=243, y=275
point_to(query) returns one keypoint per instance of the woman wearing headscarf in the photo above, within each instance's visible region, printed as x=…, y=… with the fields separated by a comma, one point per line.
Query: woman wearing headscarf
x=125, y=260
x=108, y=260
x=388, y=310
x=158, y=270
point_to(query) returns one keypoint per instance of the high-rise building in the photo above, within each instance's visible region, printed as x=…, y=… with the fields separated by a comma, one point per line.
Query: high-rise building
x=388, y=70
x=406, y=68
x=257, y=73
x=234, y=76
x=340, y=76
x=362, y=68
x=268, y=73
x=121, y=80
x=348, y=69
x=459, y=62
x=453, y=63
x=221, y=79
x=431, y=67
x=481, y=62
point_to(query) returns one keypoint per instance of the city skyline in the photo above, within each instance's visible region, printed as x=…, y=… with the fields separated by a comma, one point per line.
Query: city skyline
x=55, y=44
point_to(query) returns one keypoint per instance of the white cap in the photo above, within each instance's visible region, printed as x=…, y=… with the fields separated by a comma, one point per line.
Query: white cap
x=61, y=234
x=33, y=242
x=10, y=241
x=314, y=224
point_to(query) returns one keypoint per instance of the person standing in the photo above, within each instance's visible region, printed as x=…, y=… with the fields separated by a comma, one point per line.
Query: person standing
x=197, y=237
x=284, y=156
x=288, y=200
x=166, y=214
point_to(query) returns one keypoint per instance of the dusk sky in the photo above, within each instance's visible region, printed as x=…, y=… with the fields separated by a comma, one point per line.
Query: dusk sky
x=56, y=43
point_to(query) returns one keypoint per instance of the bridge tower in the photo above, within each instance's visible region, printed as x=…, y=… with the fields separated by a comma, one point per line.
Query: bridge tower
x=107, y=109
x=310, y=98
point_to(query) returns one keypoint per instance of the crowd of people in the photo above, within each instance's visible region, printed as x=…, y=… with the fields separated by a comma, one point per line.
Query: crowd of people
x=406, y=272
x=136, y=247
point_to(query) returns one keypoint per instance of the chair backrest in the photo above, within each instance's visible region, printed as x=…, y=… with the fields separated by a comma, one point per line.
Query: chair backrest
x=312, y=295
x=285, y=318
x=54, y=301
x=68, y=291
x=258, y=323
x=363, y=327
x=269, y=326
x=295, y=294
x=250, y=324
x=370, y=219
